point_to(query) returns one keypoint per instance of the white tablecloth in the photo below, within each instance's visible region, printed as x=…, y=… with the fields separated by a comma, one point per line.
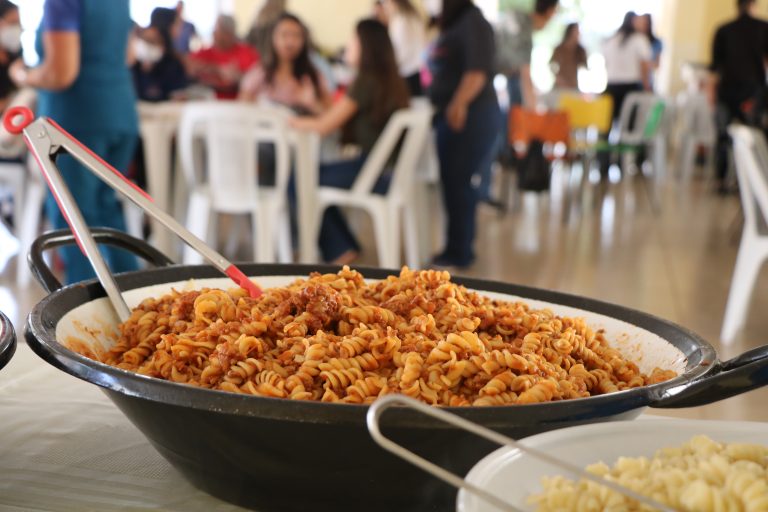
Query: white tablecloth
x=65, y=447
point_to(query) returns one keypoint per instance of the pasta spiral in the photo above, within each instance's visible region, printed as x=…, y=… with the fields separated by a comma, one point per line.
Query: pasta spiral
x=336, y=337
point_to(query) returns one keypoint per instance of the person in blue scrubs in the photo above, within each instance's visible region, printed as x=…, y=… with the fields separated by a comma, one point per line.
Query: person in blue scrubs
x=85, y=85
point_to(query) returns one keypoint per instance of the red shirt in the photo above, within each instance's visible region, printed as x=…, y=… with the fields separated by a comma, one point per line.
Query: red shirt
x=223, y=68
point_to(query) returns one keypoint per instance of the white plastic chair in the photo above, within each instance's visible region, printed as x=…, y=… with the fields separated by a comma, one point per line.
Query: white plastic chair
x=696, y=128
x=397, y=207
x=228, y=182
x=751, y=156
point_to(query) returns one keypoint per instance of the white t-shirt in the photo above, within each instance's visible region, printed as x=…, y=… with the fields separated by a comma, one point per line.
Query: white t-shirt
x=623, y=59
x=409, y=38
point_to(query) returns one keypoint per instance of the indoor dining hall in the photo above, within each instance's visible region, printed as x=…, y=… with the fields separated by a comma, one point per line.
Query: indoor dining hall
x=383, y=255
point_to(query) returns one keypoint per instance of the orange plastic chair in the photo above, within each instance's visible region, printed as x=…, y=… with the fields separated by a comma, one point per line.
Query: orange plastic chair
x=548, y=127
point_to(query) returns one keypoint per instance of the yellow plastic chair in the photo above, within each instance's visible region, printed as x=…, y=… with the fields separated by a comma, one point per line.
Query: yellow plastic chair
x=588, y=113
x=590, y=121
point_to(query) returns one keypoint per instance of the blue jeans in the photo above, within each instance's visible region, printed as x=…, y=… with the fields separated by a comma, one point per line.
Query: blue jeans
x=461, y=154
x=96, y=200
x=515, y=92
x=335, y=236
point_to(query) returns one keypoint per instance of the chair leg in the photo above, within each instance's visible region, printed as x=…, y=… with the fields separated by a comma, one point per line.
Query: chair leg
x=283, y=237
x=198, y=222
x=263, y=236
x=687, y=159
x=383, y=234
x=27, y=228
x=748, y=264
x=134, y=219
x=411, y=230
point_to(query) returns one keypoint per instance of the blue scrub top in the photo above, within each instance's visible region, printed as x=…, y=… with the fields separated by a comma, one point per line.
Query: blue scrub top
x=102, y=98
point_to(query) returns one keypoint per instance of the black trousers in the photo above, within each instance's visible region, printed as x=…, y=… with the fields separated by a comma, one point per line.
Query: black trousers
x=618, y=92
x=743, y=103
x=414, y=85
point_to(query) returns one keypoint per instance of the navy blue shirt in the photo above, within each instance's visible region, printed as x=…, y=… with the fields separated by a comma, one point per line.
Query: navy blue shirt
x=467, y=45
x=102, y=98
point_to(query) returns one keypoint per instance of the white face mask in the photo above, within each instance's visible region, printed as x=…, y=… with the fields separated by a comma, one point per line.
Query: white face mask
x=147, y=53
x=434, y=8
x=10, y=38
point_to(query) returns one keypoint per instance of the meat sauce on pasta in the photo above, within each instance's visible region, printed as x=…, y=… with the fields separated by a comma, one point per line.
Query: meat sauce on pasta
x=337, y=338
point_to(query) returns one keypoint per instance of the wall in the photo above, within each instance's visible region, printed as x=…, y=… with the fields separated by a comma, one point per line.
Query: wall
x=331, y=21
x=687, y=29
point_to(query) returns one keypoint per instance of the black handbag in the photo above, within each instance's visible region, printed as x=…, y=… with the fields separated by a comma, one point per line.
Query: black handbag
x=534, y=170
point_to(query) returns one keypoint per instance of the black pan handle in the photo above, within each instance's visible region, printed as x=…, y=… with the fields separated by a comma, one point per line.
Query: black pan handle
x=741, y=374
x=52, y=239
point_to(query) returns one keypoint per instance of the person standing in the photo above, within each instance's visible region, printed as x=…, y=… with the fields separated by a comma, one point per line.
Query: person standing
x=738, y=77
x=628, y=57
x=514, y=40
x=183, y=31
x=407, y=30
x=644, y=25
x=85, y=85
x=467, y=119
x=568, y=58
x=222, y=66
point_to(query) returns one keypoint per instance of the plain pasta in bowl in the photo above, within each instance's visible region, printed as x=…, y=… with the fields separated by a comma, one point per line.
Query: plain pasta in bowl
x=700, y=476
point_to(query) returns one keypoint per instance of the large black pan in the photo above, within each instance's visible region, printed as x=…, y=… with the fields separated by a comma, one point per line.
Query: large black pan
x=273, y=454
x=7, y=340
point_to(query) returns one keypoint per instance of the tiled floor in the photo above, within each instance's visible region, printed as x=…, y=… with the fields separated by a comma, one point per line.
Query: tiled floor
x=675, y=263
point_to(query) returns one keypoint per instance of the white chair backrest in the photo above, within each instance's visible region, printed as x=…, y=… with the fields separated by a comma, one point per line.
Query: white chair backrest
x=633, y=117
x=750, y=152
x=415, y=123
x=230, y=134
x=697, y=119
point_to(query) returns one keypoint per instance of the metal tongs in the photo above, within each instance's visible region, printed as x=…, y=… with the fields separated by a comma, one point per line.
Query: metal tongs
x=46, y=140
x=373, y=419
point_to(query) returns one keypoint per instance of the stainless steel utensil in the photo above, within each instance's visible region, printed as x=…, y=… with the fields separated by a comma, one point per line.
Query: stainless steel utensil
x=46, y=140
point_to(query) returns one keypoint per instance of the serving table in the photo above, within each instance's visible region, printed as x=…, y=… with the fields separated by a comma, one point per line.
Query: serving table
x=64, y=447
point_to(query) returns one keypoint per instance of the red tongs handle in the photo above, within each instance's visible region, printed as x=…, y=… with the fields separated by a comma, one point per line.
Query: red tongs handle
x=13, y=113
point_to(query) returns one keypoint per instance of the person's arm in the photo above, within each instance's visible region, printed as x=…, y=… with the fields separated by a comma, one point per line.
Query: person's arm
x=646, y=68
x=479, y=58
x=59, y=69
x=330, y=121
x=646, y=61
x=526, y=85
x=713, y=81
x=472, y=83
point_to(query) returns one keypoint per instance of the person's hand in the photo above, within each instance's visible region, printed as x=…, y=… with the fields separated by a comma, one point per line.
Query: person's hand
x=230, y=74
x=456, y=116
x=303, y=124
x=18, y=73
x=307, y=96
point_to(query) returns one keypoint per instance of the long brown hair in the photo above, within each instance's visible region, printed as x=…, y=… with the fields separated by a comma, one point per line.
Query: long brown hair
x=302, y=64
x=378, y=71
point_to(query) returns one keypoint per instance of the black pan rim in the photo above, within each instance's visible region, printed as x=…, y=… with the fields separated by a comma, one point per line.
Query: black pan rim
x=7, y=340
x=41, y=339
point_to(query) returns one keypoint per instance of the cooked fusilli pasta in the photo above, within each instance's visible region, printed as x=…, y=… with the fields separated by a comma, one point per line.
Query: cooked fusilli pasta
x=335, y=337
x=700, y=476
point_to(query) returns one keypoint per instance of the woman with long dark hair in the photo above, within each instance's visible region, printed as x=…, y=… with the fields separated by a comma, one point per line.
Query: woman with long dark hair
x=286, y=75
x=568, y=58
x=467, y=120
x=361, y=114
x=627, y=62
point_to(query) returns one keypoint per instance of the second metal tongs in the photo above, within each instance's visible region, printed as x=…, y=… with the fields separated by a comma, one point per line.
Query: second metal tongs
x=46, y=140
